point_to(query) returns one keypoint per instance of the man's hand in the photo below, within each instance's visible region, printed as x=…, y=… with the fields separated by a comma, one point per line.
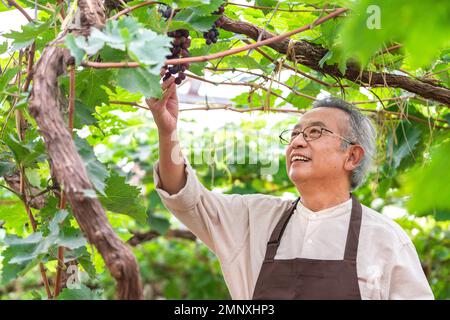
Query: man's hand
x=165, y=110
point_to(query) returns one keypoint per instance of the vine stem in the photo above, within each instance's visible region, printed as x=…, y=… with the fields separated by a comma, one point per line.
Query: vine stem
x=32, y=48
x=229, y=107
x=71, y=97
x=63, y=14
x=59, y=269
x=34, y=227
x=103, y=65
x=286, y=66
x=30, y=67
x=254, y=86
x=22, y=10
x=63, y=202
x=278, y=9
x=255, y=74
x=294, y=91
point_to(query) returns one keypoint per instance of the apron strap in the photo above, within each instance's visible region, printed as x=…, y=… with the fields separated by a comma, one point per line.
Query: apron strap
x=351, y=246
x=274, y=241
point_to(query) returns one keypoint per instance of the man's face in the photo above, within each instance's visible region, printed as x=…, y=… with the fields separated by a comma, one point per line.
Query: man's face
x=326, y=159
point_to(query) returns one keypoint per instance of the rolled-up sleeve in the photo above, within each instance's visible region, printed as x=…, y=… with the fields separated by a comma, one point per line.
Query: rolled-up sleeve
x=219, y=220
x=407, y=279
x=187, y=197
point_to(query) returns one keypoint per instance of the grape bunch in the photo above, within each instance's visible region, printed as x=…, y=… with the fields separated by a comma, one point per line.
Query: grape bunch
x=180, y=49
x=212, y=34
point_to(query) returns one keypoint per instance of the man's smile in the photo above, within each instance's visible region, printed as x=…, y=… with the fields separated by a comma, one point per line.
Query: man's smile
x=299, y=158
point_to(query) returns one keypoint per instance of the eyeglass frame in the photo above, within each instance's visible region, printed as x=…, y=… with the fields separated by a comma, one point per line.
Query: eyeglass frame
x=321, y=133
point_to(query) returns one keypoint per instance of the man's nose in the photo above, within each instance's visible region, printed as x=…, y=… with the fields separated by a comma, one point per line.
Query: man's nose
x=299, y=142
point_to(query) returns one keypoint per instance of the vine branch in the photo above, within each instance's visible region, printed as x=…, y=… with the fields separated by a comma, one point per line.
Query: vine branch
x=277, y=9
x=310, y=54
x=225, y=53
x=22, y=10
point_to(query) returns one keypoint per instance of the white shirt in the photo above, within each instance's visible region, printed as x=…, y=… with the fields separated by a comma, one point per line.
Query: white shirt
x=237, y=228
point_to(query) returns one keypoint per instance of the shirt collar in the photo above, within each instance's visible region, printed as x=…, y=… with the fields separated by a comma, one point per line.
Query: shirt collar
x=342, y=208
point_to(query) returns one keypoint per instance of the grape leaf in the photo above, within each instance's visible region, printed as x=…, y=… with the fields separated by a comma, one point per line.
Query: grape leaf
x=90, y=85
x=6, y=167
x=403, y=144
x=75, y=45
x=266, y=3
x=81, y=293
x=123, y=198
x=10, y=271
x=127, y=34
x=429, y=195
x=140, y=80
x=377, y=23
x=7, y=76
x=3, y=47
x=83, y=115
x=83, y=256
x=29, y=32
x=197, y=22
x=14, y=217
x=97, y=171
x=207, y=7
x=25, y=153
x=150, y=49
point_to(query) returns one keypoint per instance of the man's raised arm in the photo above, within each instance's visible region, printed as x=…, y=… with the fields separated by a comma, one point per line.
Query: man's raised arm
x=171, y=164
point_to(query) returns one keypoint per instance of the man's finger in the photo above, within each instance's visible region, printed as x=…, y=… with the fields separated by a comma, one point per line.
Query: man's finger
x=168, y=93
x=167, y=83
x=151, y=102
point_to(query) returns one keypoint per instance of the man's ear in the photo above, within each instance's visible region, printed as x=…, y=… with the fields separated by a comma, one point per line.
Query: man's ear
x=355, y=155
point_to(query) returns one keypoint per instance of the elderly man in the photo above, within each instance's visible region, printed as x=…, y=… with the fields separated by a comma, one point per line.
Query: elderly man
x=324, y=245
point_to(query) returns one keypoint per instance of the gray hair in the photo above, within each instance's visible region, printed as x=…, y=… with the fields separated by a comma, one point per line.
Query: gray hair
x=360, y=131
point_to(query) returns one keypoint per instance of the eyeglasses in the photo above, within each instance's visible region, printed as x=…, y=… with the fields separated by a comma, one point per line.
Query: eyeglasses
x=309, y=134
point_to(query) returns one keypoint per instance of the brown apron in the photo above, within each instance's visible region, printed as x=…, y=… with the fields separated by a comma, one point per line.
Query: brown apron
x=302, y=278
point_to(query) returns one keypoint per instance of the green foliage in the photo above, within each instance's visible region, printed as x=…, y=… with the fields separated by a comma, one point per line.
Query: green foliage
x=362, y=37
x=82, y=293
x=430, y=196
x=158, y=223
x=22, y=254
